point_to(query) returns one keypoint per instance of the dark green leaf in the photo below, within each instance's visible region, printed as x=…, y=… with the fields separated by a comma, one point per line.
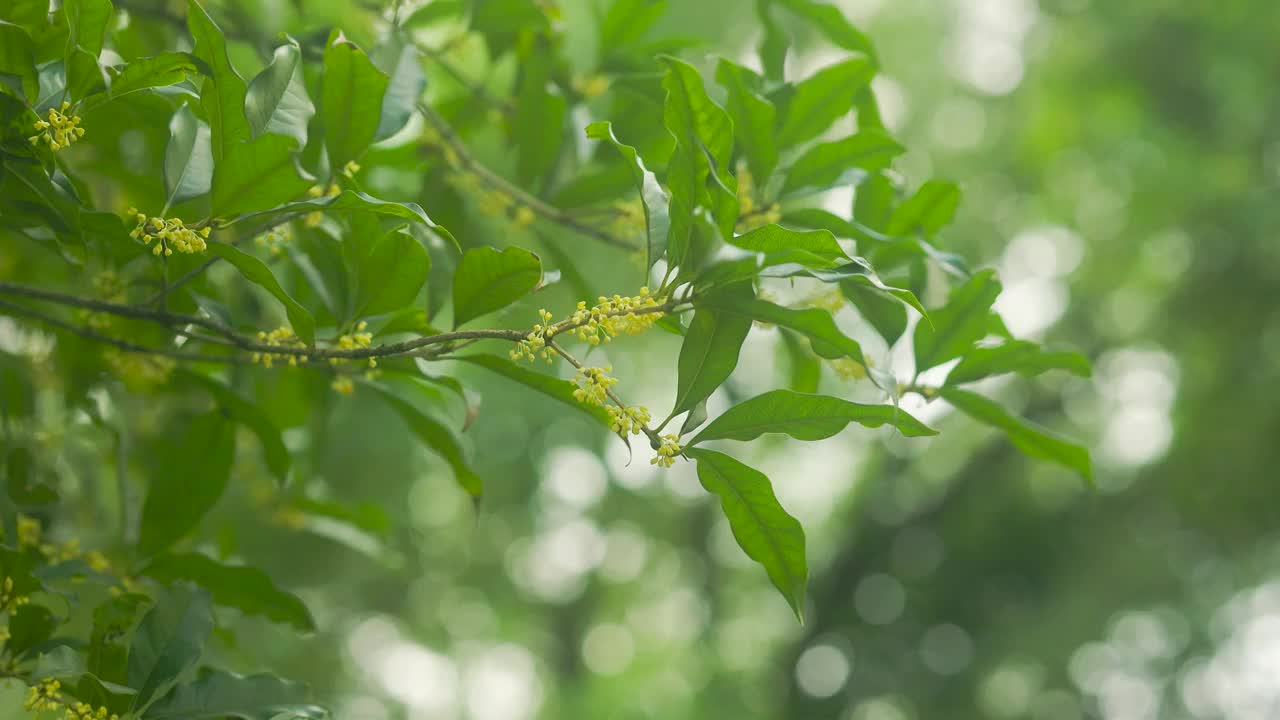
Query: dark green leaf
x=762, y=527
x=886, y=314
x=253, y=418
x=87, y=21
x=753, y=119
x=928, y=211
x=246, y=589
x=487, y=280
x=538, y=124
x=653, y=198
x=1024, y=358
x=188, y=157
x=710, y=350
x=219, y=695
x=17, y=58
x=277, y=101
x=841, y=162
x=390, y=274
x=257, y=272
x=168, y=643
x=815, y=324
x=552, y=387
x=149, y=72
x=1033, y=440
x=254, y=176
x=350, y=100
x=822, y=98
x=112, y=620
x=350, y=201
x=222, y=95
x=804, y=417
x=438, y=438
x=29, y=625
x=191, y=474
x=958, y=324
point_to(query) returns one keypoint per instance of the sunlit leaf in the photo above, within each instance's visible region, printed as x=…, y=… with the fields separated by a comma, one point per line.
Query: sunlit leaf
x=277, y=100
x=804, y=417
x=928, y=211
x=188, y=157
x=820, y=99
x=1033, y=440
x=841, y=162
x=813, y=323
x=222, y=95
x=487, y=280
x=710, y=350
x=958, y=324
x=1025, y=358
x=775, y=238
x=753, y=118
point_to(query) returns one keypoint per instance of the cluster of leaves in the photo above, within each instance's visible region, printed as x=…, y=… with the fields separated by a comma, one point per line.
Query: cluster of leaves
x=725, y=170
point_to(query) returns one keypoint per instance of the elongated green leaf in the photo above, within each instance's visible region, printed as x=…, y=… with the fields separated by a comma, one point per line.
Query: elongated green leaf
x=252, y=417
x=958, y=324
x=192, y=473
x=17, y=58
x=219, y=695
x=815, y=324
x=763, y=528
x=1024, y=358
x=87, y=22
x=710, y=350
x=928, y=211
x=753, y=118
x=804, y=417
x=434, y=12
x=246, y=589
x=277, y=100
x=841, y=162
x=487, y=280
x=149, y=72
x=832, y=23
x=390, y=274
x=350, y=201
x=774, y=43
x=256, y=272
x=168, y=642
x=107, y=655
x=257, y=175
x=350, y=100
x=873, y=202
x=886, y=314
x=400, y=59
x=29, y=626
x=775, y=238
x=779, y=263
x=538, y=123
x=552, y=387
x=222, y=95
x=657, y=218
x=822, y=98
x=1033, y=440
x=438, y=438
x=627, y=20
x=188, y=157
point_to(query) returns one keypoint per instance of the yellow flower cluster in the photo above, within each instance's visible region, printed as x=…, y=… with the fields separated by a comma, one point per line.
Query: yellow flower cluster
x=830, y=300
x=351, y=168
x=352, y=341
x=591, y=86
x=282, y=337
x=615, y=316
x=667, y=451
x=536, y=341
x=343, y=384
x=45, y=695
x=60, y=130
x=139, y=371
x=628, y=420
x=750, y=214
x=10, y=600
x=274, y=240
x=313, y=219
x=593, y=385
x=848, y=369
x=628, y=219
x=28, y=532
x=171, y=233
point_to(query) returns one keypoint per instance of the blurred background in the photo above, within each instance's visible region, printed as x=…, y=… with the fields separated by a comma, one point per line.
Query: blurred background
x=1120, y=163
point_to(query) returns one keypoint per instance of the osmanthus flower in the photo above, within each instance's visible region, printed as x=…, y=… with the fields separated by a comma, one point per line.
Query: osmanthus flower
x=593, y=385
x=9, y=599
x=46, y=695
x=750, y=214
x=138, y=371
x=628, y=420
x=343, y=385
x=59, y=130
x=355, y=340
x=170, y=234
x=667, y=451
x=282, y=337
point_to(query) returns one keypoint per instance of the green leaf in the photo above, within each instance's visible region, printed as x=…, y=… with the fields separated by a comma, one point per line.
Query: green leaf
x=832, y=23
x=958, y=324
x=401, y=61
x=884, y=313
x=246, y=589
x=657, y=217
x=87, y=22
x=825, y=96
x=627, y=21
x=350, y=100
x=873, y=202
x=188, y=157
x=219, y=695
x=1033, y=440
x=107, y=655
x=253, y=418
x=29, y=625
x=487, y=280
x=552, y=387
x=277, y=100
x=437, y=437
x=763, y=528
x=256, y=272
x=775, y=238
x=773, y=44
x=253, y=176
x=150, y=72
x=1025, y=358
x=841, y=162
x=753, y=119
x=17, y=58
x=710, y=349
x=815, y=324
x=928, y=211
x=804, y=417
x=192, y=472
x=222, y=95
x=806, y=371
x=350, y=201
x=537, y=128
x=390, y=273
x=434, y=12
x=169, y=642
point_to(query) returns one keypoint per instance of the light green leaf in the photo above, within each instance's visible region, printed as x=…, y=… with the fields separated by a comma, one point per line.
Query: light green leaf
x=350, y=201
x=434, y=12
x=627, y=20
x=277, y=101
x=17, y=58
x=552, y=387
x=87, y=22
x=487, y=280
x=653, y=198
x=841, y=162
x=435, y=436
x=1025, y=358
x=958, y=324
x=149, y=72
x=252, y=417
x=753, y=119
x=832, y=23
x=804, y=417
x=191, y=473
x=815, y=324
x=390, y=273
x=826, y=95
x=256, y=272
x=928, y=211
x=537, y=128
x=763, y=528
x=805, y=370
x=168, y=642
x=402, y=62
x=710, y=349
x=218, y=695
x=246, y=589
x=257, y=175
x=1033, y=440
x=773, y=44
x=775, y=238
x=350, y=100
x=886, y=314
x=188, y=157
x=222, y=95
